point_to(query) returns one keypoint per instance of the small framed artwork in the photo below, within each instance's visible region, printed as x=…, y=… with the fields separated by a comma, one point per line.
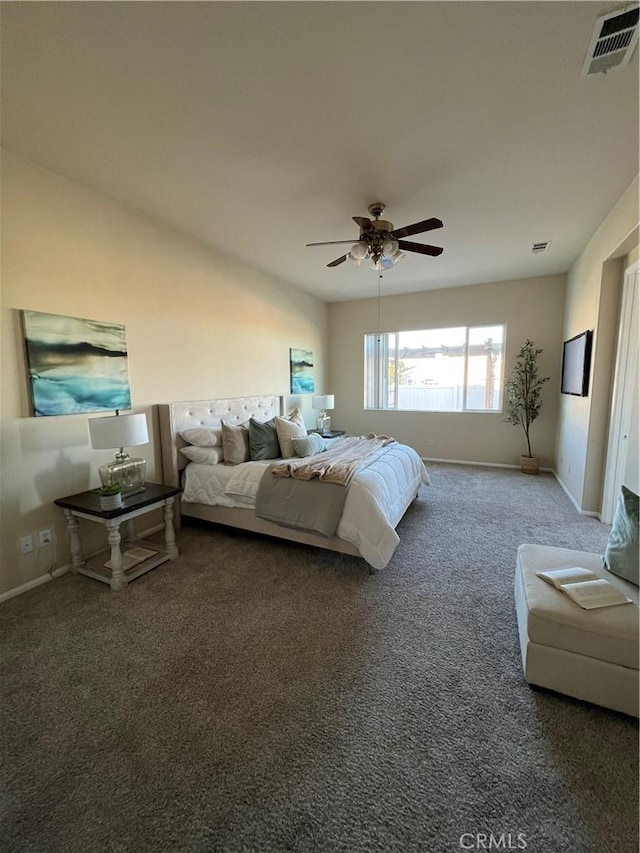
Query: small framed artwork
x=301, y=367
x=75, y=365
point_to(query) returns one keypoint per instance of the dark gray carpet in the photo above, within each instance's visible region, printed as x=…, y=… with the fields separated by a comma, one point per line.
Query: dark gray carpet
x=256, y=695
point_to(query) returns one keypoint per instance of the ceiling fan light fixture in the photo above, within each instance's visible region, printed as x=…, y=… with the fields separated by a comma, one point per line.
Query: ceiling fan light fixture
x=389, y=247
x=382, y=263
x=360, y=250
x=379, y=241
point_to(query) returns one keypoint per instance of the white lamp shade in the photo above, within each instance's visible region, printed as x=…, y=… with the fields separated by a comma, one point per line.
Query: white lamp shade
x=323, y=401
x=118, y=431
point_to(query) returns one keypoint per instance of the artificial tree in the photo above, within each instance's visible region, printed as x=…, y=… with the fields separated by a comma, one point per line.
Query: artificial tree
x=522, y=393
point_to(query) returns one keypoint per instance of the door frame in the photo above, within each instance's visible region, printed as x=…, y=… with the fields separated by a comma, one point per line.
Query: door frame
x=622, y=399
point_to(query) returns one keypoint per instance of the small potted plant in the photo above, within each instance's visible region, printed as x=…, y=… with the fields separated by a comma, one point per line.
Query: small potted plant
x=110, y=496
x=522, y=393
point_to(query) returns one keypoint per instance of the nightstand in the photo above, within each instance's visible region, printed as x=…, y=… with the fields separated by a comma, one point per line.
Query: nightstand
x=332, y=433
x=139, y=556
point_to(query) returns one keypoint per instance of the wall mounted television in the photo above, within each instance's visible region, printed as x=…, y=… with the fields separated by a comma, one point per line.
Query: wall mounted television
x=576, y=365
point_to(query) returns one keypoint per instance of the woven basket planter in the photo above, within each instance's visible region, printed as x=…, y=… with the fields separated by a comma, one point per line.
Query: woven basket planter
x=529, y=464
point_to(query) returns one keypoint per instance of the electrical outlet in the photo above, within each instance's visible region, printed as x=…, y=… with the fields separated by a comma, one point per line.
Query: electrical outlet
x=430, y=442
x=45, y=537
x=26, y=544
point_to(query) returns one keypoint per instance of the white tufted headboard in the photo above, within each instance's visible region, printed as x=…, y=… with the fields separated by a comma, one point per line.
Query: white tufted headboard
x=175, y=417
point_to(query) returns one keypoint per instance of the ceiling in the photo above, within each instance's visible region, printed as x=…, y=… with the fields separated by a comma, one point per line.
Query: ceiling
x=260, y=127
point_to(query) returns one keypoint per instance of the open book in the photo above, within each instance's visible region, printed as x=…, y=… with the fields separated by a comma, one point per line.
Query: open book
x=132, y=557
x=584, y=587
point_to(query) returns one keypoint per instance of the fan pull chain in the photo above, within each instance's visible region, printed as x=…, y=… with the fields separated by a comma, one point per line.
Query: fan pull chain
x=378, y=321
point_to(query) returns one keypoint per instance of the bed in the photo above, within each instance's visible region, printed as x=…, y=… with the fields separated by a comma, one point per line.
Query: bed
x=377, y=497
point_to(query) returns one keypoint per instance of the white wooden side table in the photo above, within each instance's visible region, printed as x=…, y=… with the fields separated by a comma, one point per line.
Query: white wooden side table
x=121, y=569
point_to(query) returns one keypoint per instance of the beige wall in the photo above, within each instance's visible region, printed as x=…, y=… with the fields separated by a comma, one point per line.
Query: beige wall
x=531, y=308
x=198, y=325
x=593, y=300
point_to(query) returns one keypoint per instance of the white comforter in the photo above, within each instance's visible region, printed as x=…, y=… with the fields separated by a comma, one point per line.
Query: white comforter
x=377, y=498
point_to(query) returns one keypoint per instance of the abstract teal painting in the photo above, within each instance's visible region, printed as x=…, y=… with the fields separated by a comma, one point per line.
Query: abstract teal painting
x=301, y=363
x=75, y=365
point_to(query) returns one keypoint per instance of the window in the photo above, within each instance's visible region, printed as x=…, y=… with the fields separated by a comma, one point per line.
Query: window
x=435, y=370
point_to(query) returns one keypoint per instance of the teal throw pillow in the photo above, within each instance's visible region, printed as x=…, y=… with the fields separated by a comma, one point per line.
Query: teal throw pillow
x=309, y=445
x=263, y=440
x=621, y=554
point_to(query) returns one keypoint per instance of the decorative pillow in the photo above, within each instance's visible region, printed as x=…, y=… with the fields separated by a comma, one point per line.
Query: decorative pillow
x=309, y=445
x=235, y=443
x=289, y=428
x=621, y=554
x=207, y=455
x=202, y=436
x=263, y=440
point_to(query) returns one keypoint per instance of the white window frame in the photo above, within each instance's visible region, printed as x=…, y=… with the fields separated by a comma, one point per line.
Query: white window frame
x=376, y=373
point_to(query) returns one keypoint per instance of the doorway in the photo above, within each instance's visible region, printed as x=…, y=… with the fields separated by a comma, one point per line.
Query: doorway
x=622, y=452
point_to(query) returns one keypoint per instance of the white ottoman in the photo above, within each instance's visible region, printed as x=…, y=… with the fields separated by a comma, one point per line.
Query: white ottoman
x=588, y=654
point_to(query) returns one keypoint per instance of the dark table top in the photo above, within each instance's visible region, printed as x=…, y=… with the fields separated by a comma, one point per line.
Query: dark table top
x=89, y=502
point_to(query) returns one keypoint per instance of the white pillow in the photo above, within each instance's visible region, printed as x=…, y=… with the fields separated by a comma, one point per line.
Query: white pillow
x=287, y=429
x=202, y=436
x=208, y=455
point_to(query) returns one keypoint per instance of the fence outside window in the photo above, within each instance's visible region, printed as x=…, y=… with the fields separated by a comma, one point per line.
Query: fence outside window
x=456, y=369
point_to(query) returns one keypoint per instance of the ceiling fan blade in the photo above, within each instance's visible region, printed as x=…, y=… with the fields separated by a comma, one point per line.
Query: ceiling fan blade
x=422, y=248
x=338, y=261
x=364, y=223
x=418, y=227
x=331, y=243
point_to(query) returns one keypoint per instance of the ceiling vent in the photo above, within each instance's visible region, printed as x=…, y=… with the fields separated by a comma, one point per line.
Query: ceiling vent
x=612, y=43
x=537, y=248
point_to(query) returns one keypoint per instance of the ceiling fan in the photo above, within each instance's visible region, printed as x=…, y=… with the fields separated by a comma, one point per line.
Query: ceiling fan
x=383, y=244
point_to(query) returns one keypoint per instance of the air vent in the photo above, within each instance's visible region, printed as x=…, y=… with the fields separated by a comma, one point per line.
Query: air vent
x=536, y=248
x=612, y=43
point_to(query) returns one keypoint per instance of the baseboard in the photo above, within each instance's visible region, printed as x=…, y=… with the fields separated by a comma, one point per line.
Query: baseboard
x=579, y=509
x=426, y=459
x=62, y=570
x=150, y=530
x=49, y=576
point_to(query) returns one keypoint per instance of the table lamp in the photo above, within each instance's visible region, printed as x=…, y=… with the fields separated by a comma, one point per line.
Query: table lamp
x=323, y=402
x=118, y=431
